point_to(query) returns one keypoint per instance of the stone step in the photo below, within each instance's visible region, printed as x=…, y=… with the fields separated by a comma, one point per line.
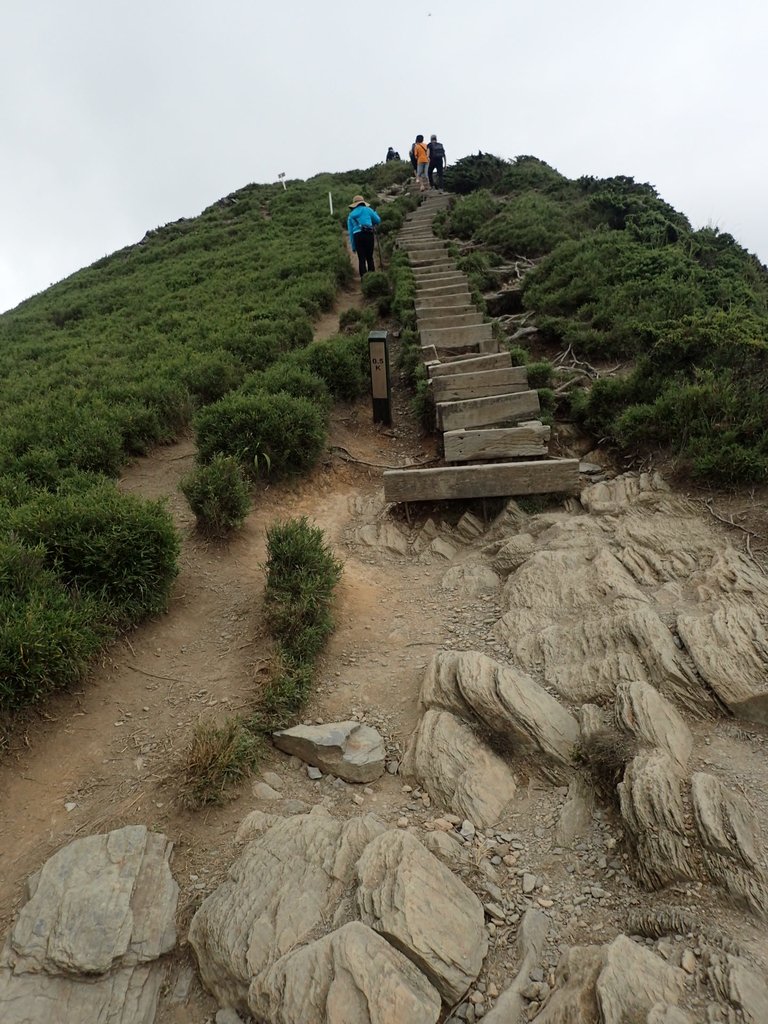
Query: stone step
x=506, y=479
x=439, y=298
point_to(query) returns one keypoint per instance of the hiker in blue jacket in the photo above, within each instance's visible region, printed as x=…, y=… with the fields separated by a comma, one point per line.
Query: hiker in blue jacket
x=360, y=224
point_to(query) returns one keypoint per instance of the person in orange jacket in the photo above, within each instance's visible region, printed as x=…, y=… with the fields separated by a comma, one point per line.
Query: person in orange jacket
x=421, y=155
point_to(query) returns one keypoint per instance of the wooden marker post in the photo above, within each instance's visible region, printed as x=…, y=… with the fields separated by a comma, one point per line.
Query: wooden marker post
x=378, y=348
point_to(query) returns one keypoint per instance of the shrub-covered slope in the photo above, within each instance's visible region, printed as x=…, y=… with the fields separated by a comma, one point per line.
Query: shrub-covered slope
x=206, y=320
x=622, y=275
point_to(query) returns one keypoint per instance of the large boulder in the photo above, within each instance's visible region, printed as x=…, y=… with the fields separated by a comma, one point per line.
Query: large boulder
x=352, y=751
x=86, y=944
x=458, y=770
x=415, y=902
x=507, y=702
x=289, y=882
x=351, y=975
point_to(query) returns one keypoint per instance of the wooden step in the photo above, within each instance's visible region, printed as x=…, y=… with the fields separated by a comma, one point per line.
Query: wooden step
x=442, y=290
x=469, y=363
x=488, y=412
x=496, y=443
x=450, y=337
x=471, y=319
x=454, y=387
x=506, y=479
x=445, y=297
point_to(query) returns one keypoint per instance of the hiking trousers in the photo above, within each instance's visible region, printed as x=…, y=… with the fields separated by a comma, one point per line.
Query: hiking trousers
x=364, y=242
x=439, y=169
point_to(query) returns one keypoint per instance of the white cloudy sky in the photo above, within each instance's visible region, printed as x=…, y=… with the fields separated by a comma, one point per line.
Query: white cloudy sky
x=120, y=115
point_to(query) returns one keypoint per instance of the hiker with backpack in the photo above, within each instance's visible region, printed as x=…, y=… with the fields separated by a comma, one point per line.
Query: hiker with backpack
x=436, y=161
x=361, y=223
x=392, y=154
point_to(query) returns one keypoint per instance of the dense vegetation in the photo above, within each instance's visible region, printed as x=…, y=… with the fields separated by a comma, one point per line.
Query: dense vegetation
x=205, y=321
x=620, y=275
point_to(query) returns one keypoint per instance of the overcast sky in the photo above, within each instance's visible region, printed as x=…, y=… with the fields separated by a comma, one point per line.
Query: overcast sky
x=117, y=116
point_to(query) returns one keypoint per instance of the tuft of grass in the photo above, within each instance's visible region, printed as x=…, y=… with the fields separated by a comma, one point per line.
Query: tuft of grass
x=219, y=757
x=606, y=754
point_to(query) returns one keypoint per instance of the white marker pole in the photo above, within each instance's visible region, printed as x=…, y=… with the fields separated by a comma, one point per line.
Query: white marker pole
x=330, y=202
x=281, y=178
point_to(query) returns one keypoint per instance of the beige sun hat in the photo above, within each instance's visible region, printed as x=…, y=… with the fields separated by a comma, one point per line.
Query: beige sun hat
x=356, y=201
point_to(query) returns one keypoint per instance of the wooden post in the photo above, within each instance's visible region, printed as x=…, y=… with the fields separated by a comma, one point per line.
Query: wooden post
x=378, y=350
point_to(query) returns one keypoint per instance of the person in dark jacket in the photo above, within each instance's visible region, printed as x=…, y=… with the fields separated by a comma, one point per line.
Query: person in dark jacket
x=392, y=154
x=361, y=223
x=436, y=161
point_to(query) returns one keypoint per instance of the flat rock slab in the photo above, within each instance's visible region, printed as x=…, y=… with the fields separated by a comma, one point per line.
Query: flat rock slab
x=351, y=975
x=422, y=908
x=352, y=751
x=86, y=945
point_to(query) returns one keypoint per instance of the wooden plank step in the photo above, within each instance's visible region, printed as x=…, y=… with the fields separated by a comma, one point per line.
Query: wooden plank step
x=496, y=443
x=488, y=412
x=454, y=387
x=470, y=319
x=440, y=276
x=423, y=242
x=451, y=336
x=504, y=479
x=443, y=290
x=468, y=364
x=425, y=303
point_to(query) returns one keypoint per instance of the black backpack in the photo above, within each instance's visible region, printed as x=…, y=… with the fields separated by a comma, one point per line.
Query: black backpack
x=436, y=152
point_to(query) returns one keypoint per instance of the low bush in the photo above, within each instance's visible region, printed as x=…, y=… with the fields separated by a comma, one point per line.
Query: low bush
x=375, y=284
x=285, y=376
x=130, y=568
x=218, y=495
x=539, y=374
x=49, y=634
x=342, y=362
x=470, y=213
x=273, y=434
x=302, y=573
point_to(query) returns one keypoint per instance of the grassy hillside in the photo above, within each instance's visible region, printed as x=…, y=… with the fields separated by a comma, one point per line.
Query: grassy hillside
x=204, y=321
x=620, y=275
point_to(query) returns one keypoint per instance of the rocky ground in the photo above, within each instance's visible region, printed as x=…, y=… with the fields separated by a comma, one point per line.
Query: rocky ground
x=530, y=785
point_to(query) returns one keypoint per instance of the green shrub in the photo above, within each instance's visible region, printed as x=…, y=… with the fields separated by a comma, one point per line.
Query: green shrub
x=210, y=375
x=530, y=225
x=285, y=376
x=302, y=574
x=277, y=434
x=473, y=172
x=341, y=362
x=539, y=374
x=470, y=213
x=49, y=635
x=130, y=566
x=218, y=495
x=375, y=284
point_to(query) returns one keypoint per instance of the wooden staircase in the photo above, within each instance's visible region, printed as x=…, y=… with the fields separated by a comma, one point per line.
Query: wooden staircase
x=484, y=407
